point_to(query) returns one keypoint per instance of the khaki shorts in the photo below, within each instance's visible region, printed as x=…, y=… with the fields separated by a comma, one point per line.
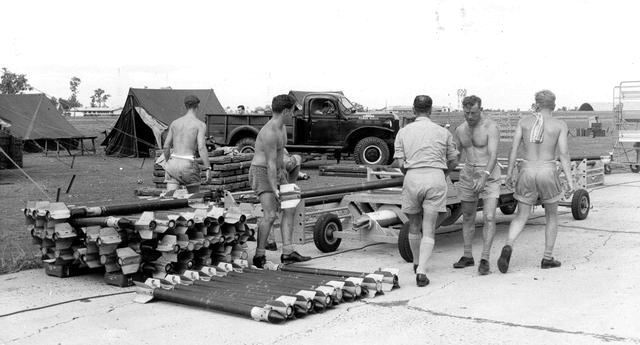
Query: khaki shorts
x=538, y=180
x=469, y=175
x=182, y=171
x=424, y=189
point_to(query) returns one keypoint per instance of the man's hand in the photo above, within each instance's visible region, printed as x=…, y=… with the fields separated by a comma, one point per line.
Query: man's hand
x=208, y=175
x=509, y=182
x=480, y=183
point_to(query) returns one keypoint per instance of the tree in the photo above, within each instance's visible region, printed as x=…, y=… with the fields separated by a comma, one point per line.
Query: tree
x=74, y=84
x=99, y=98
x=54, y=101
x=585, y=107
x=12, y=83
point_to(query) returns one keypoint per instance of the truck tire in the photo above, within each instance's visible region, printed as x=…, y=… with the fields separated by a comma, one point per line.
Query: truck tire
x=580, y=204
x=403, y=244
x=509, y=208
x=246, y=145
x=323, y=231
x=371, y=151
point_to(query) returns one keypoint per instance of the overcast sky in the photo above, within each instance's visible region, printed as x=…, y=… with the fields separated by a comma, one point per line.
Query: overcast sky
x=377, y=52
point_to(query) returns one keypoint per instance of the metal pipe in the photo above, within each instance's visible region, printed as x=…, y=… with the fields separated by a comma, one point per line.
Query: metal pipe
x=369, y=185
x=139, y=207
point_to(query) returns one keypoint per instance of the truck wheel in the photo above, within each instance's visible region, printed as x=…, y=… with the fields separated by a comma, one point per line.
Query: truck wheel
x=635, y=168
x=246, y=145
x=607, y=169
x=580, y=204
x=403, y=244
x=371, y=151
x=509, y=208
x=323, y=231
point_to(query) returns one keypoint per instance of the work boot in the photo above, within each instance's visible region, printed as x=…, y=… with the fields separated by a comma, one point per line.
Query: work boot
x=505, y=257
x=422, y=280
x=259, y=261
x=271, y=246
x=483, y=268
x=464, y=262
x=293, y=258
x=549, y=263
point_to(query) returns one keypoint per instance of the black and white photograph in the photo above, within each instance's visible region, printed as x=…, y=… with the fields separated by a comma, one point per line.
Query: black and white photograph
x=325, y=172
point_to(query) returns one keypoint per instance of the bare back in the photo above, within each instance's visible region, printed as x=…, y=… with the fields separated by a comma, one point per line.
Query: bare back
x=269, y=146
x=475, y=142
x=184, y=134
x=545, y=151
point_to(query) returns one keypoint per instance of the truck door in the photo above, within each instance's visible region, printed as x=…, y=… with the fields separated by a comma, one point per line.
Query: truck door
x=324, y=122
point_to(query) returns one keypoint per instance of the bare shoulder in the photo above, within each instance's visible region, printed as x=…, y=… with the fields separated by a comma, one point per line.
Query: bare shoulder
x=558, y=123
x=490, y=124
x=526, y=121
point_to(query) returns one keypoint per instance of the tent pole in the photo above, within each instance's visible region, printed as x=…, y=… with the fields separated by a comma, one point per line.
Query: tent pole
x=135, y=133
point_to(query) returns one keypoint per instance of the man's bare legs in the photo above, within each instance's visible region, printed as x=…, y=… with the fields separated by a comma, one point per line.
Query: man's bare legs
x=550, y=234
x=489, y=228
x=469, y=210
x=415, y=236
x=286, y=229
x=515, y=228
x=270, y=208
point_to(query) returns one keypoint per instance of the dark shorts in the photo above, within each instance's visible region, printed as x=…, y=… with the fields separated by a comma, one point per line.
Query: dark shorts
x=182, y=171
x=538, y=180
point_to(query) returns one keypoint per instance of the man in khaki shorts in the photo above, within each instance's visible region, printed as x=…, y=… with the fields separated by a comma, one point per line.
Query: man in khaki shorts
x=478, y=139
x=186, y=135
x=542, y=136
x=424, y=150
x=267, y=170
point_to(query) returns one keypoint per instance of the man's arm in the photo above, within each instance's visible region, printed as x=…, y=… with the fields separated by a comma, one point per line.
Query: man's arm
x=167, y=144
x=452, y=154
x=492, y=149
x=398, y=154
x=202, y=148
x=563, y=149
x=517, y=138
x=270, y=149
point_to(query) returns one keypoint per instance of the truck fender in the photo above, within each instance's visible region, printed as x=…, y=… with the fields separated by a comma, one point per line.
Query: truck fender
x=366, y=129
x=232, y=136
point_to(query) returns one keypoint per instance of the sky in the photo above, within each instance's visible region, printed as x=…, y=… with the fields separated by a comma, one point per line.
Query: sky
x=378, y=52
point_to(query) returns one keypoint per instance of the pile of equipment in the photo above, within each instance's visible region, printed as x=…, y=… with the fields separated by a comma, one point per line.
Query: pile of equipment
x=133, y=241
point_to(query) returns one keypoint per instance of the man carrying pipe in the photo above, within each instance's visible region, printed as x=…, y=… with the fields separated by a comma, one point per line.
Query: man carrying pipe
x=266, y=167
x=424, y=150
x=477, y=138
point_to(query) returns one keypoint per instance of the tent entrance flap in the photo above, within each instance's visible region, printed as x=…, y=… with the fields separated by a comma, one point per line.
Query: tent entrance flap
x=156, y=126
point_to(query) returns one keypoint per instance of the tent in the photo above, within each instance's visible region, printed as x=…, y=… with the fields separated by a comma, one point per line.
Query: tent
x=34, y=117
x=147, y=113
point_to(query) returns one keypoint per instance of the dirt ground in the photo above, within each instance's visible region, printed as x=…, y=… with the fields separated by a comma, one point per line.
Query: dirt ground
x=591, y=299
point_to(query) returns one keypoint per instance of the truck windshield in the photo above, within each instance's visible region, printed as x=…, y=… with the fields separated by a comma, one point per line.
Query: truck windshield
x=344, y=102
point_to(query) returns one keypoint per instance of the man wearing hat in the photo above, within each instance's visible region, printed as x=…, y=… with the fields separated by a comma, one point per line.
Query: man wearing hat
x=186, y=135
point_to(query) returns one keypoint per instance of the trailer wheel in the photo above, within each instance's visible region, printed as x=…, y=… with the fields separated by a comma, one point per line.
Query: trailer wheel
x=403, y=244
x=246, y=145
x=607, y=169
x=635, y=168
x=580, y=204
x=509, y=208
x=323, y=231
x=371, y=151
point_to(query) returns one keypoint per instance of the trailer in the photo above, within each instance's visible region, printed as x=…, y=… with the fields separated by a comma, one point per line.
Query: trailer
x=376, y=215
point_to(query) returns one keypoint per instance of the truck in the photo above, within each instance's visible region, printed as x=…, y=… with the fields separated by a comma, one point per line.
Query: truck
x=323, y=122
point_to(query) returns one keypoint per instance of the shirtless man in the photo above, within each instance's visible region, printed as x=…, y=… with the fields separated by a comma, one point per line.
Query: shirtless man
x=186, y=134
x=542, y=136
x=480, y=178
x=266, y=171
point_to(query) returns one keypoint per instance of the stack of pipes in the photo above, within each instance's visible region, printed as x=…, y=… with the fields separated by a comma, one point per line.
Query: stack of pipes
x=150, y=244
x=273, y=295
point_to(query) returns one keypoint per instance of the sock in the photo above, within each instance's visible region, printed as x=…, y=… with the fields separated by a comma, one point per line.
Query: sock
x=426, y=248
x=260, y=252
x=414, y=243
x=288, y=249
x=485, y=254
x=467, y=251
x=547, y=254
